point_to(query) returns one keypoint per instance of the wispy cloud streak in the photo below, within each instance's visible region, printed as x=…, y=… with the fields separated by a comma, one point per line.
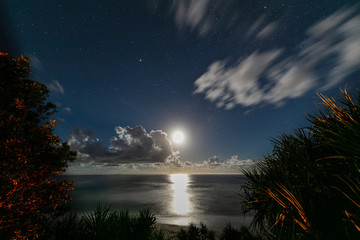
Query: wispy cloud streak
x=272, y=76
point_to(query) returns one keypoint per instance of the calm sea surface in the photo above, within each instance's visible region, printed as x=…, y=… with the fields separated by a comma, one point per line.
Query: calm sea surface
x=175, y=198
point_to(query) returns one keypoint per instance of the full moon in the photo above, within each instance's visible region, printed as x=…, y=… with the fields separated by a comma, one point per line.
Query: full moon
x=178, y=137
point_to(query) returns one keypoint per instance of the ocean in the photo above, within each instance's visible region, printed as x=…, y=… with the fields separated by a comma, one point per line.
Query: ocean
x=177, y=199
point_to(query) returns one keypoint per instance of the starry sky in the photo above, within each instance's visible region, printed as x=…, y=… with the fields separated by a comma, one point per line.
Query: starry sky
x=229, y=74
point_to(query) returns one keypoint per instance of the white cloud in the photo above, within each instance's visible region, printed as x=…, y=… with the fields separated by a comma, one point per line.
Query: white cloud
x=35, y=62
x=212, y=162
x=237, y=84
x=330, y=23
x=334, y=39
x=292, y=84
x=203, y=16
x=268, y=30
x=211, y=165
x=55, y=86
x=192, y=13
x=67, y=110
x=337, y=38
x=232, y=165
x=255, y=26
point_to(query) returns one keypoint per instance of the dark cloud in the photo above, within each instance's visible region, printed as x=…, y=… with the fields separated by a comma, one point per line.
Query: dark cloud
x=130, y=145
x=83, y=141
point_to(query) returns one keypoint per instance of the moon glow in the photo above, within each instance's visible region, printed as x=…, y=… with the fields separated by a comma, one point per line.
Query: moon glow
x=178, y=137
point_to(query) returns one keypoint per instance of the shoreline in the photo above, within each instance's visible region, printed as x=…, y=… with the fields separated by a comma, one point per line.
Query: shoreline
x=172, y=229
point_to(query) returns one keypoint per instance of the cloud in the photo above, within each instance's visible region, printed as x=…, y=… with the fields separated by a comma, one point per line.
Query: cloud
x=205, y=16
x=84, y=142
x=60, y=121
x=268, y=30
x=261, y=33
x=130, y=145
x=270, y=77
x=212, y=161
x=291, y=83
x=134, y=150
x=35, y=62
x=230, y=165
x=67, y=110
x=192, y=13
x=55, y=86
x=237, y=84
x=255, y=26
x=337, y=38
x=212, y=165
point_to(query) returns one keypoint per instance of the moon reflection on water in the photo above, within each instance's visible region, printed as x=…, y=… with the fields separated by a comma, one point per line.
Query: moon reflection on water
x=181, y=196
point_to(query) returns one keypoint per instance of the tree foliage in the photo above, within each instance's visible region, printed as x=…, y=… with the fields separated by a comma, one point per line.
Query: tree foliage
x=31, y=155
x=104, y=223
x=309, y=187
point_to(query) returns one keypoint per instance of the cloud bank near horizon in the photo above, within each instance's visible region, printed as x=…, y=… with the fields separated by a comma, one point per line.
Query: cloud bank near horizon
x=130, y=145
x=213, y=165
x=134, y=150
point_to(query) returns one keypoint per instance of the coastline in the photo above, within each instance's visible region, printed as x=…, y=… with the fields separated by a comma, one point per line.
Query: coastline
x=172, y=229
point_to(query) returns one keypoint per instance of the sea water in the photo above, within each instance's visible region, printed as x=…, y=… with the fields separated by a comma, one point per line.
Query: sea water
x=177, y=199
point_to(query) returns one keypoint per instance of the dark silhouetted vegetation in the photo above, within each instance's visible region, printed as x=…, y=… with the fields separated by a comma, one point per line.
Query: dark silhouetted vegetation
x=309, y=187
x=231, y=233
x=31, y=155
x=195, y=233
x=103, y=223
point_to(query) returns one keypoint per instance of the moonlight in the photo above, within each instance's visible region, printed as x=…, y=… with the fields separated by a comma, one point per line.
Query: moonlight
x=178, y=137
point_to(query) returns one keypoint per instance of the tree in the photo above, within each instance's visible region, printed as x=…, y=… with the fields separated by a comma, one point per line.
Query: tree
x=31, y=155
x=338, y=128
x=309, y=186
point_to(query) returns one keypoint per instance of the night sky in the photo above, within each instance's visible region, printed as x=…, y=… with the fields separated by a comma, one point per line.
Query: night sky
x=229, y=74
